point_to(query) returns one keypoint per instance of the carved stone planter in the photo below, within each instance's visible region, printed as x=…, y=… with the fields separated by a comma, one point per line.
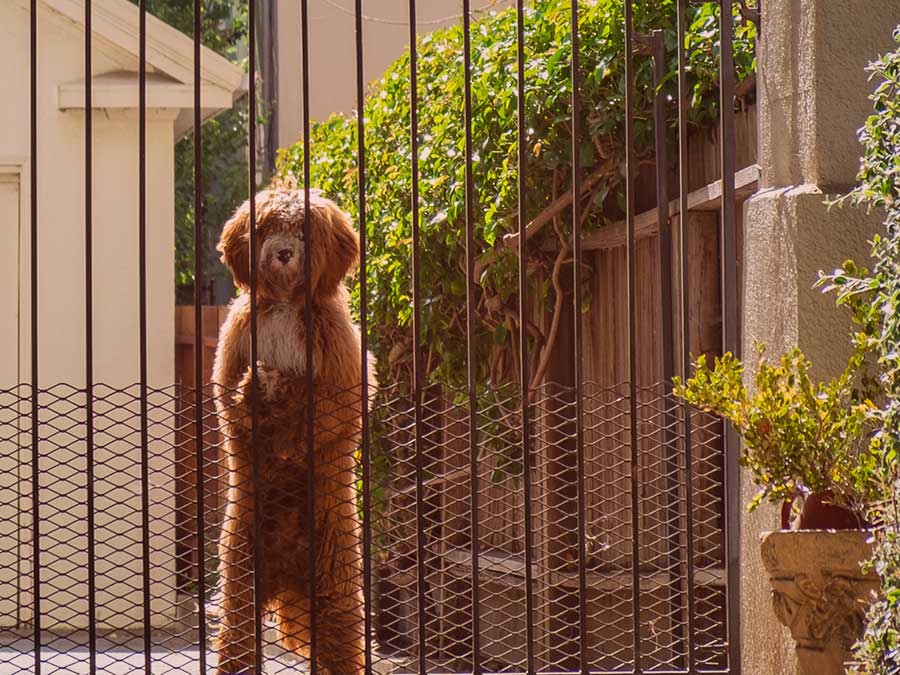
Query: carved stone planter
x=819, y=592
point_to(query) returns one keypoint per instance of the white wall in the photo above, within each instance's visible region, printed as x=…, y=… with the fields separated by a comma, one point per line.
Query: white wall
x=61, y=317
x=332, y=51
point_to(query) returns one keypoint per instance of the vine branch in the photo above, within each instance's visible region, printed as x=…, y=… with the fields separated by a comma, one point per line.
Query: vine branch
x=559, y=204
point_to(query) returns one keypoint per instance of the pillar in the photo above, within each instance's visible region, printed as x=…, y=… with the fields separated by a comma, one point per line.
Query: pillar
x=813, y=96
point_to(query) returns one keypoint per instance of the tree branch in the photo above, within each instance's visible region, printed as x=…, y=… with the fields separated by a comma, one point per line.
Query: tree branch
x=557, y=312
x=558, y=205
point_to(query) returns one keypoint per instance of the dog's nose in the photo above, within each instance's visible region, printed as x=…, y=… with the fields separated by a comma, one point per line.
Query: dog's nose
x=284, y=255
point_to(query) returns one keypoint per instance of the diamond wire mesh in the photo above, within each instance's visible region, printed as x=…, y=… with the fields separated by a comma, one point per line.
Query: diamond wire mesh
x=395, y=586
x=663, y=557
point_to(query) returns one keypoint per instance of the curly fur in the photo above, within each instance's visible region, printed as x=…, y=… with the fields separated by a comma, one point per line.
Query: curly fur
x=279, y=441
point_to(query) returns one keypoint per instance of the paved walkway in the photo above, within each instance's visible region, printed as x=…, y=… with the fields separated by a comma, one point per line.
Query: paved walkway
x=17, y=658
x=68, y=655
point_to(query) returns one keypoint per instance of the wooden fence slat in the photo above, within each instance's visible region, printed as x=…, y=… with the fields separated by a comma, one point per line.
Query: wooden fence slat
x=186, y=439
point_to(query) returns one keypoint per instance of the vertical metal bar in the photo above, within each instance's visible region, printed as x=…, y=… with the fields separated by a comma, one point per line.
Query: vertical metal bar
x=579, y=345
x=658, y=50
x=310, y=338
x=35, y=441
x=523, y=337
x=664, y=247
x=198, y=345
x=254, y=346
x=364, y=337
x=142, y=292
x=269, y=76
x=417, y=356
x=630, y=166
x=472, y=371
x=730, y=325
x=89, y=341
x=683, y=187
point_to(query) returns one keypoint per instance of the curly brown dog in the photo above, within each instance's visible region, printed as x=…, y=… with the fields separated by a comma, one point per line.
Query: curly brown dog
x=279, y=441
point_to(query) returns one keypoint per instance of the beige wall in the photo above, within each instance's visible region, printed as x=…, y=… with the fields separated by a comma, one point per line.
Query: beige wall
x=332, y=51
x=61, y=303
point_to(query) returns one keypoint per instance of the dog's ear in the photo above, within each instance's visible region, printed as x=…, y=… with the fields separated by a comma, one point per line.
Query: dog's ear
x=342, y=252
x=234, y=245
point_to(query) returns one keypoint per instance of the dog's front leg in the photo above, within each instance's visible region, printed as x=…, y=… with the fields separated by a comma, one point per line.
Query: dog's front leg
x=236, y=639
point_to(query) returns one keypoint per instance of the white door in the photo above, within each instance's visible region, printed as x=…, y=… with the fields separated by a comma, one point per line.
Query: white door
x=15, y=596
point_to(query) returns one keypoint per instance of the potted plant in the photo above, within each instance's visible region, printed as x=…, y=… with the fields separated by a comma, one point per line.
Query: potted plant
x=807, y=446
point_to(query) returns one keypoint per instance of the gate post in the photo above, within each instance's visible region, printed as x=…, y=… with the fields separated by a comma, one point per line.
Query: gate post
x=812, y=90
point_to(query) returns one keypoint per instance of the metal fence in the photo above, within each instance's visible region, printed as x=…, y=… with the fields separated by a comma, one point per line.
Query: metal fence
x=139, y=539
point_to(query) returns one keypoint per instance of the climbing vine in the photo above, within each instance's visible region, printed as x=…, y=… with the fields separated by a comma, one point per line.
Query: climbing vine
x=441, y=171
x=874, y=299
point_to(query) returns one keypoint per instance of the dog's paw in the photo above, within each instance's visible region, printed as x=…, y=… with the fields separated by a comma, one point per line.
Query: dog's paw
x=234, y=670
x=243, y=390
x=270, y=385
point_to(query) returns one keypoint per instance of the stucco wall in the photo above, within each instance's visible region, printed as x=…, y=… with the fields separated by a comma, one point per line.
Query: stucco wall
x=789, y=236
x=61, y=317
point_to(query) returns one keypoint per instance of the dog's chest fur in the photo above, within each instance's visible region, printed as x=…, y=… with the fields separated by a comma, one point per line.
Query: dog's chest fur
x=279, y=339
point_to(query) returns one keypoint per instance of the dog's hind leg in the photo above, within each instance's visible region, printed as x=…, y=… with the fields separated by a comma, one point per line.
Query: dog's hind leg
x=340, y=637
x=291, y=613
x=340, y=619
x=235, y=641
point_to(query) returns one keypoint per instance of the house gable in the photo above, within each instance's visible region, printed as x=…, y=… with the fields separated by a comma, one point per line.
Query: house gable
x=169, y=51
x=115, y=26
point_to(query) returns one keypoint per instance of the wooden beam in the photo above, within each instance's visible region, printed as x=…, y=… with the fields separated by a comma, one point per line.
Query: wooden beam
x=707, y=198
x=511, y=569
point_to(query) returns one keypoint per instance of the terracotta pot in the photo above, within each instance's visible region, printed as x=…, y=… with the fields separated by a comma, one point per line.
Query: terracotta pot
x=820, y=593
x=819, y=512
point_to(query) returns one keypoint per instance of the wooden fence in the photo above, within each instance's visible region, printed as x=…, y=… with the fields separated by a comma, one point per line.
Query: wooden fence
x=661, y=502
x=186, y=440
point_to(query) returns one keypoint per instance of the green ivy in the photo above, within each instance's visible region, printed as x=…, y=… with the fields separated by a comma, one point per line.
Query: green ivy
x=875, y=298
x=441, y=162
x=878, y=652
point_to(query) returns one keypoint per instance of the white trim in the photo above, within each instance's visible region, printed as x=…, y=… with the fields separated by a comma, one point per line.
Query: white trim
x=120, y=90
x=18, y=169
x=12, y=165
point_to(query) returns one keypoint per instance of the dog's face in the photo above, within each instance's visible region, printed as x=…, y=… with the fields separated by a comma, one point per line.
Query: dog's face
x=281, y=247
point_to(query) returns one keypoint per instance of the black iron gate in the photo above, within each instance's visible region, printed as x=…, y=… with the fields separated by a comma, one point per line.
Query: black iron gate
x=134, y=516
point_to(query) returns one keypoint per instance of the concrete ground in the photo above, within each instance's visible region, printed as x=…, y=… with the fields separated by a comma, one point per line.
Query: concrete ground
x=68, y=655
x=122, y=659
